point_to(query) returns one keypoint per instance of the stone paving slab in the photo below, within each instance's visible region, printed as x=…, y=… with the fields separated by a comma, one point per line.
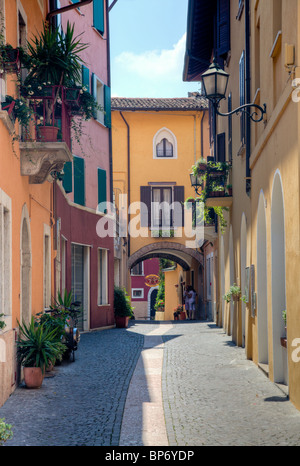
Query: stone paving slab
x=214, y=396
x=188, y=376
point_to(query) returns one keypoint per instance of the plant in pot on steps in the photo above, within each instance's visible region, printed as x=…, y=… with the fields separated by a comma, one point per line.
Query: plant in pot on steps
x=37, y=345
x=122, y=307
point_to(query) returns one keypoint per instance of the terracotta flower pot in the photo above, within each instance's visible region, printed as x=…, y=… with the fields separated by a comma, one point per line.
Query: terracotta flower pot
x=121, y=322
x=48, y=133
x=182, y=315
x=33, y=377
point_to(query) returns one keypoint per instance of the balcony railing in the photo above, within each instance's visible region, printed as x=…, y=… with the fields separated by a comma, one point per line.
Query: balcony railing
x=46, y=142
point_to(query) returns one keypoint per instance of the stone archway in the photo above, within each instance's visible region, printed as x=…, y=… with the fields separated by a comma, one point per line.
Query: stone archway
x=177, y=251
x=26, y=267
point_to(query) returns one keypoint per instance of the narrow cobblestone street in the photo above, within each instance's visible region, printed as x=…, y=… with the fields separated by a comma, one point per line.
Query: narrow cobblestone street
x=211, y=394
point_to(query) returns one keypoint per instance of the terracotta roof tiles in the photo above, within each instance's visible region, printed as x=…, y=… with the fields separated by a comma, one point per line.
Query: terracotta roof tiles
x=147, y=104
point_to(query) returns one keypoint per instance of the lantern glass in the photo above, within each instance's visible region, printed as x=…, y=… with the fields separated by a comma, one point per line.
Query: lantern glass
x=215, y=81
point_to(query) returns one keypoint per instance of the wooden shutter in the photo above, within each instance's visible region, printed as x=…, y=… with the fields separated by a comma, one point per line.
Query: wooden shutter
x=98, y=15
x=221, y=147
x=107, y=106
x=223, y=28
x=178, y=215
x=67, y=180
x=102, y=188
x=145, y=206
x=86, y=77
x=79, y=181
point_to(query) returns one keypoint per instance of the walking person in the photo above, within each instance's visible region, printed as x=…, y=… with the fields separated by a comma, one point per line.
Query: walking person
x=192, y=303
x=186, y=301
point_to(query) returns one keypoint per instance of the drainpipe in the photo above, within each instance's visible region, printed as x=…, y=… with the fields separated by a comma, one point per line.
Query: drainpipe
x=109, y=84
x=128, y=175
x=248, y=92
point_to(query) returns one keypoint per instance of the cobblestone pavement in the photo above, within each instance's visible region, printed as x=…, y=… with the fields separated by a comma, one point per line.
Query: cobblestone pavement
x=212, y=395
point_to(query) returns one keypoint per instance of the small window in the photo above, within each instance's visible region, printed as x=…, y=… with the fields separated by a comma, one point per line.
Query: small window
x=137, y=293
x=137, y=269
x=164, y=144
x=164, y=149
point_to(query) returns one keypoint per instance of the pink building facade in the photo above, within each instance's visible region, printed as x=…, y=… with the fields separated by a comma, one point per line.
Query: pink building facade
x=85, y=260
x=144, y=286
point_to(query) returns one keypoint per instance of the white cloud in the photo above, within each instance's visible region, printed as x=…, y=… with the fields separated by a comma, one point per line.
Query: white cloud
x=162, y=65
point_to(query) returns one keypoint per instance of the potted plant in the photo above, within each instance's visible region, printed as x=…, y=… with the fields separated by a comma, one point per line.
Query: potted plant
x=5, y=431
x=235, y=292
x=227, y=297
x=200, y=166
x=54, y=64
x=37, y=345
x=122, y=308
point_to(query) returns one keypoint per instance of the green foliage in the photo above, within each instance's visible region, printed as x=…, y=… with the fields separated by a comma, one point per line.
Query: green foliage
x=122, y=303
x=54, y=57
x=5, y=431
x=234, y=292
x=284, y=316
x=38, y=345
x=160, y=298
x=2, y=323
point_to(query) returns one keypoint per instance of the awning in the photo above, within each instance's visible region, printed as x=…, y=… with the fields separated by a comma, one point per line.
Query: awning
x=200, y=38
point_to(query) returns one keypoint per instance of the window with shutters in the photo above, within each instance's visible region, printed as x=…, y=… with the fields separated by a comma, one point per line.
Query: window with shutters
x=102, y=95
x=164, y=145
x=162, y=206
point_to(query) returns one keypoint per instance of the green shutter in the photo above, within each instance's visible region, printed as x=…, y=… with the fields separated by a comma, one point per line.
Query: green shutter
x=86, y=77
x=94, y=93
x=79, y=181
x=98, y=15
x=102, y=188
x=107, y=106
x=67, y=180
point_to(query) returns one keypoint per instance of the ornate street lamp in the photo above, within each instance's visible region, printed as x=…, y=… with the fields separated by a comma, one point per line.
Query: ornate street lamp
x=196, y=182
x=215, y=81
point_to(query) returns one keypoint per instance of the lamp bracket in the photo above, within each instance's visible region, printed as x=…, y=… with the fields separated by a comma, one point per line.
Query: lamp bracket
x=253, y=115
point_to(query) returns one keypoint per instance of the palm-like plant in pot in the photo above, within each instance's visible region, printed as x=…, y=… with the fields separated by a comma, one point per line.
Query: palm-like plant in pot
x=37, y=345
x=54, y=63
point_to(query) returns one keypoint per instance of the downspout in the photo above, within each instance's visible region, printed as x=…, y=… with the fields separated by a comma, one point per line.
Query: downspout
x=248, y=92
x=109, y=85
x=128, y=176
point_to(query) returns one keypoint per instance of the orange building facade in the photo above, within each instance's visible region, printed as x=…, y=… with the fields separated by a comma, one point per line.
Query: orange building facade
x=26, y=207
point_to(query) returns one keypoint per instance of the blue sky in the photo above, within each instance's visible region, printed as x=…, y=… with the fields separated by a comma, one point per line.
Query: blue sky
x=147, y=43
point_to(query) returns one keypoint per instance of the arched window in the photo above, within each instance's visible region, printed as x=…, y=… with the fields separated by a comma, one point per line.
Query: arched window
x=164, y=148
x=164, y=144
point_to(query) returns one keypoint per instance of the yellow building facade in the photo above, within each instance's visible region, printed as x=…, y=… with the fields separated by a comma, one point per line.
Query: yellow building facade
x=259, y=251
x=155, y=142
